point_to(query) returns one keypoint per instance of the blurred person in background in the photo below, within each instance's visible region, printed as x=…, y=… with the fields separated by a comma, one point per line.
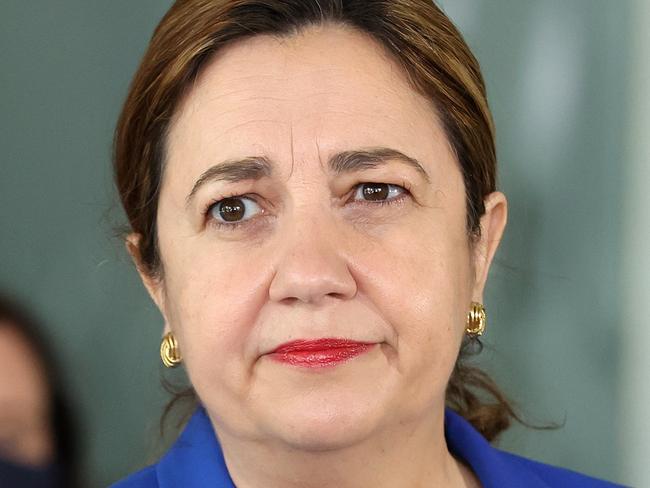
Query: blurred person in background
x=36, y=426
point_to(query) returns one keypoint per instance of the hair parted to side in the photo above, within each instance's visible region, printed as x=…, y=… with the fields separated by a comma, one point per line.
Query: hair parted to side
x=420, y=37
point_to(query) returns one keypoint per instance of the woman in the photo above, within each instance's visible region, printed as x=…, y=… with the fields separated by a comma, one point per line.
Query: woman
x=36, y=435
x=311, y=190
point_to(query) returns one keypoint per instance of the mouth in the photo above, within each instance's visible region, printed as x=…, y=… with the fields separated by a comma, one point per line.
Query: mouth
x=319, y=353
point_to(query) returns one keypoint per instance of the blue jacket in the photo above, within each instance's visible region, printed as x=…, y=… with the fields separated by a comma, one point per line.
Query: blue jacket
x=196, y=461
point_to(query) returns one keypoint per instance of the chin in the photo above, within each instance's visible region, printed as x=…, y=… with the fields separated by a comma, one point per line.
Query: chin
x=318, y=426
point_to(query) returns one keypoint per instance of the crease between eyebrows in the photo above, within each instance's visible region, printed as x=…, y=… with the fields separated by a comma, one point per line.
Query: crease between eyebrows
x=257, y=167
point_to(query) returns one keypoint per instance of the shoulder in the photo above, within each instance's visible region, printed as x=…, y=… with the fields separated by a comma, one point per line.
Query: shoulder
x=145, y=478
x=497, y=468
x=194, y=460
x=553, y=475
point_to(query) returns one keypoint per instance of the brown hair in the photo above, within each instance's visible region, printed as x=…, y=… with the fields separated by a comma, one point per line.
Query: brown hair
x=435, y=57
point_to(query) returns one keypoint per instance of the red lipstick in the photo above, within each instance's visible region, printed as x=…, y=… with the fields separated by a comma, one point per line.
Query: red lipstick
x=319, y=353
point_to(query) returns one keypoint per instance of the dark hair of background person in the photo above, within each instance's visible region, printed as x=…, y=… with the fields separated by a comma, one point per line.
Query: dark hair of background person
x=416, y=33
x=65, y=441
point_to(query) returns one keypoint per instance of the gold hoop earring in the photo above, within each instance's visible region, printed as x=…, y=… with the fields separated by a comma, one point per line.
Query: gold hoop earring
x=169, y=352
x=476, y=320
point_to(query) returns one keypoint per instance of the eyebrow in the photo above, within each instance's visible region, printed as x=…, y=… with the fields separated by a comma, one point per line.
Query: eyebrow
x=258, y=167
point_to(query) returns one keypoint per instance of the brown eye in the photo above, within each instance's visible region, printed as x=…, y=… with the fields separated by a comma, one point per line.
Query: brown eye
x=378, y=192
x=233, y=209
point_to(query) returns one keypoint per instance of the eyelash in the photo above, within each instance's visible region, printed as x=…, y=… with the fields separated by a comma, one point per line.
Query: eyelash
x=235, y=225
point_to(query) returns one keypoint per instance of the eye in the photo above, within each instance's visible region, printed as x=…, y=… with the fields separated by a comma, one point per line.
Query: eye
x=381, y=193
x=233, y=211
x=238, y=210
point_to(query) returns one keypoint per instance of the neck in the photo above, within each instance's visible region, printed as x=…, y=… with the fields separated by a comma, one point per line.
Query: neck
x=412, y=455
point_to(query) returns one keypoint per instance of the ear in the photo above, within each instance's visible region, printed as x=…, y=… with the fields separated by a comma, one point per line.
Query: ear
x=493, y=223
x=153, y=284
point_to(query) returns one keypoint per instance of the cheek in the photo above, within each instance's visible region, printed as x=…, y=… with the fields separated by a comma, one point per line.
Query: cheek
x=212, y=301
x=421, y=281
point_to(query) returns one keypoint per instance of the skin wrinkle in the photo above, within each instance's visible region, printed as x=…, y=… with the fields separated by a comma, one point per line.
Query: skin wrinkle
x=352, y=161
x=224, y=113
x=399, y=275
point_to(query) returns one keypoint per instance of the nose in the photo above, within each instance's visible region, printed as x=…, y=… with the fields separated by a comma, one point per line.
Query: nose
x=311, y=263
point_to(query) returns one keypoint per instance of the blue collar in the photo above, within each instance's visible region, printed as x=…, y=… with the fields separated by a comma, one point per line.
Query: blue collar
x=492, y=467
x=185, y=463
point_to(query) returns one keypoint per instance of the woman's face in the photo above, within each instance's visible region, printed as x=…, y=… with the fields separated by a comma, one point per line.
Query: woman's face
x=25, y=433
x=315, y=253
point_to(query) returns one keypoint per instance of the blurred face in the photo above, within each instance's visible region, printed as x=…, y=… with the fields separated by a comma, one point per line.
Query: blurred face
x=25, y=435
x=310, y=193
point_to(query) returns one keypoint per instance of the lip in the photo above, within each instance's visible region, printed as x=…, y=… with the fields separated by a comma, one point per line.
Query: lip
x=319, y=353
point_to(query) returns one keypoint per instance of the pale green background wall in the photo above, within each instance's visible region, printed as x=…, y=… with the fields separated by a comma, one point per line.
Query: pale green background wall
x=555, y=72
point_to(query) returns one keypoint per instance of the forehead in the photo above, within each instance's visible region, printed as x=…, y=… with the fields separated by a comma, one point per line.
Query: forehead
x=325, y=89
